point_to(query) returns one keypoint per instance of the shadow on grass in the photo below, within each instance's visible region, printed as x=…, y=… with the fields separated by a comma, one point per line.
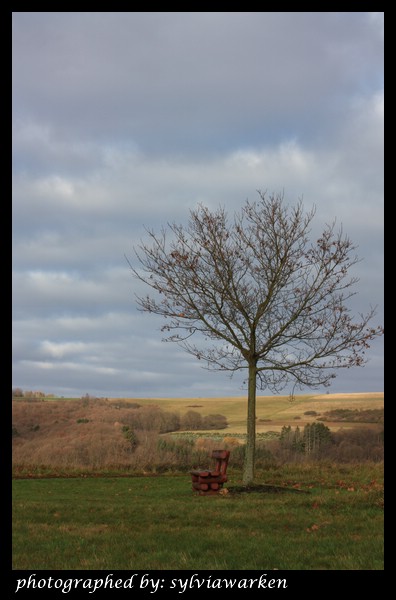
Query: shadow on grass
x=263, y=489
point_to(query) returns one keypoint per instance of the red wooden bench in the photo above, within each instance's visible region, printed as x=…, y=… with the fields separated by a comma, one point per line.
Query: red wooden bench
x=211, y=481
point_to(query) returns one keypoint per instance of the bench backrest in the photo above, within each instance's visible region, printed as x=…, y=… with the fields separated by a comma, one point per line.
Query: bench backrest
x=221, y=457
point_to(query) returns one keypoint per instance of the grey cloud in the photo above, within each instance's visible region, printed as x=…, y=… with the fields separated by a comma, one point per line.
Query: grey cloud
x=126, y=120
x=182, y=82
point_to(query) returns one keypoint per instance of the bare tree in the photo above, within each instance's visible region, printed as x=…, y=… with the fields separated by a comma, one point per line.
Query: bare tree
x=275, y=301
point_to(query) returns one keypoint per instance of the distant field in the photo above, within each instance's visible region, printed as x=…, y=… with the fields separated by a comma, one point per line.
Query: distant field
x=273, y=412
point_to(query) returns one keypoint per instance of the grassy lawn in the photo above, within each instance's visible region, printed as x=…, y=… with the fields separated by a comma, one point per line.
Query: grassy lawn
x=329, y=518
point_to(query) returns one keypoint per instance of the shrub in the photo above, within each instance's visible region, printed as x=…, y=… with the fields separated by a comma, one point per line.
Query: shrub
x=191, y=421
x=214, y=422
x=152, y=418
x=373, y=415
x=124, y=404
x=130, y=436
x=263, y=456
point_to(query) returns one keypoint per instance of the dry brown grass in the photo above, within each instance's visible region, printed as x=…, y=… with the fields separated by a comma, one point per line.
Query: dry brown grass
x=77, y=433
x=364, y=396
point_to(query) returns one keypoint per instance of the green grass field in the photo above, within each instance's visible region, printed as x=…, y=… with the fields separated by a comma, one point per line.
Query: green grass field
x=328, y=518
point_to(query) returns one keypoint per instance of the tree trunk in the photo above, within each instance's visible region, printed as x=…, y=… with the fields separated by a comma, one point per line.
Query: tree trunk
x=248, y=471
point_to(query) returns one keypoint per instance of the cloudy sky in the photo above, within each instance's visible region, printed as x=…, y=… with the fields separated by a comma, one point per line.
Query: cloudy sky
x=128, y=120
